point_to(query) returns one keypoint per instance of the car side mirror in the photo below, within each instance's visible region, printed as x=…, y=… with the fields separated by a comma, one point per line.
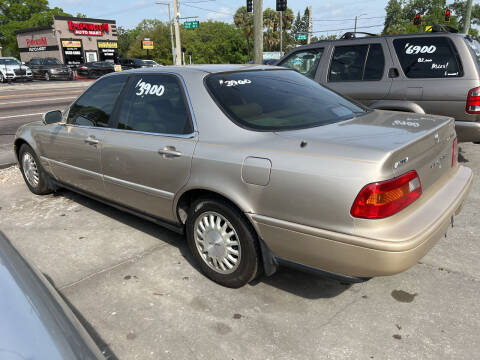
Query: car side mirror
x=52, y=117
x=23, y=62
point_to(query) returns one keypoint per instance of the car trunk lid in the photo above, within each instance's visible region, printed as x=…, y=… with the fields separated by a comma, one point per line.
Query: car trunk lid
x=399, y=141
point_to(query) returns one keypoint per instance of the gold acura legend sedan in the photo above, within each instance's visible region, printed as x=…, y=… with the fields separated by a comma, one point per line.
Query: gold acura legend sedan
x=259, y=166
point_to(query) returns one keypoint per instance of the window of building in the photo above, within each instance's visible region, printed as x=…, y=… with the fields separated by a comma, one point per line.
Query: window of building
x=155, y=104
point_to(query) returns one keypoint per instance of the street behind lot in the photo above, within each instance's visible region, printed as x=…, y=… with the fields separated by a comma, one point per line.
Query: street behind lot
x=26, y=102
x=136, y=285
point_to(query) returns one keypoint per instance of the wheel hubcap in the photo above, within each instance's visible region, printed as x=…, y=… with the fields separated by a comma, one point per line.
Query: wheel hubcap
x=217, y=242
x=30, y=169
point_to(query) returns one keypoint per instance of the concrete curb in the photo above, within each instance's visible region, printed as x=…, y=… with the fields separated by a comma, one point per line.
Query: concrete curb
x=7, y=165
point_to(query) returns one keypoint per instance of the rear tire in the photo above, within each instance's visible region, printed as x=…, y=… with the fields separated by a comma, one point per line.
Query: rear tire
x=222, y=242
x=35, y=177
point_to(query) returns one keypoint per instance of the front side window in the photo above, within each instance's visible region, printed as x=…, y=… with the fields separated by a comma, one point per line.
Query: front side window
x=428, y=57
x=35, y=62
x=305, y=61
x=155, y=104
x=357, y=63
x=276, y=100
x=95, y=106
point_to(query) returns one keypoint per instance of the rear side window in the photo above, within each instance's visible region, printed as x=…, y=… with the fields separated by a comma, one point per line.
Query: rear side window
x=155, y=104
x=305, y=61
x=357, y=63
x=95, y=106
x=276, y=100
x=428, y=57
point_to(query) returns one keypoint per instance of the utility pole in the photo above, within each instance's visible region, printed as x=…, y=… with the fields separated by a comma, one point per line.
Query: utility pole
x=258, y=31
x=355, y=27
x=309, y=36
x=281, y=33
x=468, y=16
x=178, y=50
x=171, y=29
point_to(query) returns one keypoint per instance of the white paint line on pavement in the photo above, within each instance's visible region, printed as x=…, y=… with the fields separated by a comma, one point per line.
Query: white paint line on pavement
x=29, y=101
x=22, y=115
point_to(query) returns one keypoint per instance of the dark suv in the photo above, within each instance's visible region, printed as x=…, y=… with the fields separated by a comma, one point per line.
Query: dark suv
x=133, y=63
x=49, y=69
x=432, y=72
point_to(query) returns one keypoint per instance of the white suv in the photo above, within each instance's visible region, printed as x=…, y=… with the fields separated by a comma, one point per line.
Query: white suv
x=12, y=69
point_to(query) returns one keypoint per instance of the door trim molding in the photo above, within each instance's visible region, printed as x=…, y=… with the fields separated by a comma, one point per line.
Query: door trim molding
x=116, y=181
x=137, y=187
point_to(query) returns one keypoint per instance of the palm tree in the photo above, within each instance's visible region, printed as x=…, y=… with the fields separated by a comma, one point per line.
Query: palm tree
x=244, y=20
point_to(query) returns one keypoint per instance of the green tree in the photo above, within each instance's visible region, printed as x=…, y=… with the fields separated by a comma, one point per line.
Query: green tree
x=459, y=8
x=271, y=23
x=22, y=14
x=244, y=21
x=400, y=14
x=300, y=26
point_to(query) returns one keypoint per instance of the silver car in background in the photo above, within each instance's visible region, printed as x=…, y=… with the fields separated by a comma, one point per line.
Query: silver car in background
x=431, y=72
x=259, y=165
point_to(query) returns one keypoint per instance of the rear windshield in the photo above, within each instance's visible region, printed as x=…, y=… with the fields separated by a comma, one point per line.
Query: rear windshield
x=474, y=45
x=428, y=57
x=275, y=100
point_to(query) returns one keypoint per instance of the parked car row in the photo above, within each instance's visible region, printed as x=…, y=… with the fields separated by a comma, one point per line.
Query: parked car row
x=48, y=69
x=436, y=72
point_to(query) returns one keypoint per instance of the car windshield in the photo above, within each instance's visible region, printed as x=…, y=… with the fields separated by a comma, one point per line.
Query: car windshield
x=52, y=62
x=275, y=100
x=9, y=62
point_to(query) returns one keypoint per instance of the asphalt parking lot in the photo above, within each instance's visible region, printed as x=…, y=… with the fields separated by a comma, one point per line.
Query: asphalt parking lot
x=136, y=289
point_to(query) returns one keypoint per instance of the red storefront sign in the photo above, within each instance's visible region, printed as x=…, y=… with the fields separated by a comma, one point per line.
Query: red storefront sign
x=37, y=42
x=80, y=28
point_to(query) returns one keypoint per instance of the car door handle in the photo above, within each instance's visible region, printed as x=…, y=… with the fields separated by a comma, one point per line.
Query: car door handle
x=92, y=140
x=169, y=152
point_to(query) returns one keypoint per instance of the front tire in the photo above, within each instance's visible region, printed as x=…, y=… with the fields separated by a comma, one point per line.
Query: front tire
x=32, y=171
x=222, y=242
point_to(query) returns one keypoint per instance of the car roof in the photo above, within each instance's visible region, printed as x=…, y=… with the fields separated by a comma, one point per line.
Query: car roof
x=373, y=38
x=210, y=69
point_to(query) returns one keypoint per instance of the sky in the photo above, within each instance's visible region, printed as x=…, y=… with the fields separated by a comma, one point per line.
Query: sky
x=331, y=15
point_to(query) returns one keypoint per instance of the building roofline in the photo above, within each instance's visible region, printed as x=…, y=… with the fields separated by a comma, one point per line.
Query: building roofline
x=33, y=29
x=59, y=17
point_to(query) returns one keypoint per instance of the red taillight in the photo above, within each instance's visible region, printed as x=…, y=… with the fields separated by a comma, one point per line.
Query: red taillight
x=473, y=101
x=385, y=198
x=83, y=68
x=454, y=152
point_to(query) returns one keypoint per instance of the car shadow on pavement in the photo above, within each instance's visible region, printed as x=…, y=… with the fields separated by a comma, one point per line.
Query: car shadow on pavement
x=302, y=284
x=97, y=339
x=298, y=283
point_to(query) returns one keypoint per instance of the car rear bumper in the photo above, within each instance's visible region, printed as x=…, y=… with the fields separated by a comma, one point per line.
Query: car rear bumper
x=467, y=131
x=360, y=256
x=61, y=76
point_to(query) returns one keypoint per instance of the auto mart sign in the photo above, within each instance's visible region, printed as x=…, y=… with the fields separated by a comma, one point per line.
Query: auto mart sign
x=80, y=28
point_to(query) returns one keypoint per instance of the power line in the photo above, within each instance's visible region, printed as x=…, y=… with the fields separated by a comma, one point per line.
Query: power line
x=209, y=10
x=360, y=18
x=350, y=28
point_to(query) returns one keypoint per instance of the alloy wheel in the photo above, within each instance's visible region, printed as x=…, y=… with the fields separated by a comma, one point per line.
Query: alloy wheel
x=30, y=169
